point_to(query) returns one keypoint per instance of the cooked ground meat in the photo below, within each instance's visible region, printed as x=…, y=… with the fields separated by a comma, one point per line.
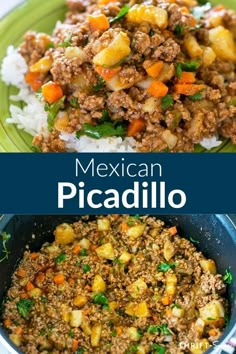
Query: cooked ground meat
x=157, y=48
x=115, y=284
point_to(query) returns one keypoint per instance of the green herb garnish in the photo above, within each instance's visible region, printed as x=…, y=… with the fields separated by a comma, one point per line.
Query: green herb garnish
x=101, y=299
x=193, y=240
x=105, y=116
x=81, y=350
x=188, y=66
x=71, y=334
x=83, y=252
x=175, y=305
x=179, y=30
x=113, y=333
x=42, y=332
x=60, y=258
x=202, y=2
x=67, y=42
x=164, y=267
x=161, y=329
x=50, y=45
x=5, y=238
x=43, y=299
x=24, y=306
x=196, y=97
x=39, y=94
x=166, y=102
x=74, y=102
x=228, y=277
x=52, y=110
x=157, y=349
x=86, y=268
x=102, y=130
x=132, y=349
x=99, y=85
x=123, y=12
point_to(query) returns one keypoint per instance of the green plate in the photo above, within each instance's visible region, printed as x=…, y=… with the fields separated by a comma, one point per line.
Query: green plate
x=41, y=16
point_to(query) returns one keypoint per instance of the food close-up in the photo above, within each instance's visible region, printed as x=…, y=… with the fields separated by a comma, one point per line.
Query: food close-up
x=117, y=284
x=151, y=76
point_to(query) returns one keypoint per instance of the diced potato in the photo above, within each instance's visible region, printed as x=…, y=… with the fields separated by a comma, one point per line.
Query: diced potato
x=178, y=312
x=199, y=346
x=211, y=312
x=80, y=300
x=115, y=84
x=151, y=104
x=133, y=334
x=192, y=46
x=65, y=313
x=103, y=224
x=209, y=56
x=215, y=19
x=137, y=288
x=141, y=349
x=98, y=285
x=35, y=293
x=75, y=52
x=148, y=13
x=125, y=257
x=169, y=250
x=45, y=344
x=76, y=318
x=171, y=281
x=61, y=122
x=64, y=234
x=42, y=66
x=117, y=50
x=96, y=335
x=169, y=138
x=222, y=42
x=16, y=339
x=106, y=251
x=199, y=326
x=85, y=326
x=167, y=72
x=145, y=83
x=113, y=305
x=139, y=310
x=136, y=231
x=85, y=243
x=53, y=248
x=208, y=265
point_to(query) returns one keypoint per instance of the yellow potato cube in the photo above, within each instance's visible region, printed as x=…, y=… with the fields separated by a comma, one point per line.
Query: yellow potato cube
x=167, y=72
x=169, y=138
x=139, y=310
x=148, y=13
x=199, y=346
x=103, y=224
x=192, y=47
x=75, y=52
x=35, y=293
x=171, y=282
x=65, y=312
x=98, y=284
x=113, y=305
x=16, y=339
x=169, y=250
x=80, y=300
x=212, y=311
x=208, y=265
x=85, y=243
x=64, y=234
x=209, y=56
x=133, y=334
x=222, y=42
x=199, y=326
x=85, y=326
x=125, y=257
x=141, y=349
x=76, y=318
x=106, y=251
x=116, y=85
x=117, y=50
x=137, y=288
x=96, y=335
x=136, y=231
x=62, y=122
x=151, y=104
x=42, y=66
x=178, y=312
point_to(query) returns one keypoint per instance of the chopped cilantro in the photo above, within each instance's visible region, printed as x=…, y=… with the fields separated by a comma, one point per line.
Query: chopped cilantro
x=99, y=85
x=196, y=97
x=123, y=12
x=5, y=238
x=188, y=66
x=164, y=267
x=99, y=131
x=179, y=30
x=105, y=116
x=176, y=305
x=161, y=329
x=113, y=333
x=202, y=2
x=166, y=102
x=86, y=268
x=211, y=319
x=50, y=45
x=157, y=349
x=67, y=42
x=43, y=299
x=83, y=252
x=52, y=110
x=132, y=349
x=60, y=258
x=24, y=306
x=228, y=277
x=71, y=334
x=42, y=332
x=74, y=102
x=77, y=264
x=39, y=94
x=81, y=350
x=193, y=240
x=101, y=299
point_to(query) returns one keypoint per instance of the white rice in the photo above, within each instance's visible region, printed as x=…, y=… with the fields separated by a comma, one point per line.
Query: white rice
x=33, y=119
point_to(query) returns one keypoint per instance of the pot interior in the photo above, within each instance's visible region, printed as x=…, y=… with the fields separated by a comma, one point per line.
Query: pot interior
x=215, y=236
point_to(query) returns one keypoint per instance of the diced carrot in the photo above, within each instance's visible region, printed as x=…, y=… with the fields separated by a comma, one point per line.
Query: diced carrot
x=18, y=330
x=166, y=300
x=107, y=73
x=155, y=318
x=184, y=10
x=157, y=89
x=86, y=312
x=76, y=249
x=98, y=22
x=187, y=78
x=34, y=80
x=75, y=344
x=218, y=8
x=71, y=281
x=34, y=255
x=155, y=69
x=7, y=322
x=95, y=258
x=88, y=287
x=168, y=312
x=188, y=89
x=105, y=2
x=115, y=216
x=192, y=21
x=119, y=330
x=59, y=279
x=21, y=273
x=24, y=296
x=213, y=332
x=166, y=33
x=52, y=92
x=136, y=126
x=40, y=277
x=173, y=230
x=93, y=247
x=124, y=226
x=29, y=286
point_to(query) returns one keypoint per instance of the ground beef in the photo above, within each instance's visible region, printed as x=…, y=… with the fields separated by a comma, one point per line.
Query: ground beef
x=168, y=51
x=91, y=103
x=51, y=143
x=141, y=42
x=34, y=46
